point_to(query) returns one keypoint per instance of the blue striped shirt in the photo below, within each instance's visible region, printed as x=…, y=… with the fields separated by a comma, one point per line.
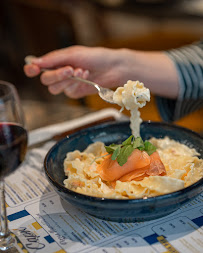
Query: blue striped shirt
x=189, y=64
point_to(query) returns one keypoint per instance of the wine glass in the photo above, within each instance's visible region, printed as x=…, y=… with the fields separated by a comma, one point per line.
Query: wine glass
x=13, y=145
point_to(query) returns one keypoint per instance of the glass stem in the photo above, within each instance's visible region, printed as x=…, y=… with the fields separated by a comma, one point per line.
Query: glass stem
x=4, y=223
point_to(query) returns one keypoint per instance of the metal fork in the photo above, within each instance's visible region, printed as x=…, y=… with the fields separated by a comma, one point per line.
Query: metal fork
x=104, y=93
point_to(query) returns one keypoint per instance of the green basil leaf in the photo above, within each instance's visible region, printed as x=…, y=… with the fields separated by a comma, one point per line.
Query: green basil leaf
x=121, y=152
x=116, y=153
x=138, y=143
x=111, y=148
x=127, y=141
x=149, y=147
x=125, y=152
x=141, y=148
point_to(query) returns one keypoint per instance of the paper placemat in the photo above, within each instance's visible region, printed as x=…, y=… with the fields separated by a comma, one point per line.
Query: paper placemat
x=42, y=222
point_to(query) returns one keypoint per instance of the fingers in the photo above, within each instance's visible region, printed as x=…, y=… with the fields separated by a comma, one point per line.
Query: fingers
x=59, y=81
x=81, y=73
x=31, y=70
x=54, y=76
x=50, y=77
x=79, y=90
x=58, y=88
x=71, y=89
x=85, y=74
x=54, y=59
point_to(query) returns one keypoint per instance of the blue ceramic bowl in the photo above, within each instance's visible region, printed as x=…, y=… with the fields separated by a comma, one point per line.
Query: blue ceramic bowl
x=113, y=209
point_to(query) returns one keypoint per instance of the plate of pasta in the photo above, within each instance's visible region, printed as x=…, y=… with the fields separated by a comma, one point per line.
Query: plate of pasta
x=128, y=171
x=73, y=167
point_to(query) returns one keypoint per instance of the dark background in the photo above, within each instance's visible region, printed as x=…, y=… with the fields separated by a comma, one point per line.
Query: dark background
x=38, y=26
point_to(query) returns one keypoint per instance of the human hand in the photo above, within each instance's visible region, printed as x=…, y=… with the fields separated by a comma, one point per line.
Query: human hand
x=100, y=65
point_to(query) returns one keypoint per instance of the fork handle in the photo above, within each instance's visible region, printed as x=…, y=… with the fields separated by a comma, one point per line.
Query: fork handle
x=29, y=58
x=86, y=81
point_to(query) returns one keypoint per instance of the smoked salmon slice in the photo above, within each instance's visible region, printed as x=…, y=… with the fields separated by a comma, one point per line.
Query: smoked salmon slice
x=138, y=166
x=156, y=165
x=110, y=170
x=156, y=168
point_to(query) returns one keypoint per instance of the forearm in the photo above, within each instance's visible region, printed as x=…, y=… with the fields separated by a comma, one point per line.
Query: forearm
x=188, y=61
x=155, y=69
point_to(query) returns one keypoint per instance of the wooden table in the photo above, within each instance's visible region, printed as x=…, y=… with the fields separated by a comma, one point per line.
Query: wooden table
x=39, y=114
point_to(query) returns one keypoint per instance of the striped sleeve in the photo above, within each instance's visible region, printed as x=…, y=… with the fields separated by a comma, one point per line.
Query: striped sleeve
x=189, y=64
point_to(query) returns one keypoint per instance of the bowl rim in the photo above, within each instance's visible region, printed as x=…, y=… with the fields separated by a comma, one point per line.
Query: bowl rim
x=112, y=200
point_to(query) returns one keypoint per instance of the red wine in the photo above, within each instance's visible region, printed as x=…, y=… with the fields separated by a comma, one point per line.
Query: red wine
x=13, y=145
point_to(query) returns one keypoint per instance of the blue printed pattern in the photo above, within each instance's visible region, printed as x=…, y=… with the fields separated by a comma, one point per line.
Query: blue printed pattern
x=49, y=239
x=151, y=239
x=198, y=221
x=17, y=215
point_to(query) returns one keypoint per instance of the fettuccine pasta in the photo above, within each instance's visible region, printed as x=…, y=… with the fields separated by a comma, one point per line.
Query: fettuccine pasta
x=171, y=167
